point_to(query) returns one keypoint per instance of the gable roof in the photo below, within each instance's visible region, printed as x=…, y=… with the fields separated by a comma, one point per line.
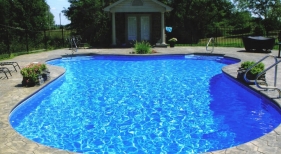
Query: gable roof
x=138, y=6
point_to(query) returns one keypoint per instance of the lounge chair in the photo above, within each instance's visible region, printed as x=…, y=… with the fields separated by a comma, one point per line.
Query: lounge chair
x=14, y=64
x=5, y=70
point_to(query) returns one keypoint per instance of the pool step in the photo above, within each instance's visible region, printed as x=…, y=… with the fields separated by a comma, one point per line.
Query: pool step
x=274, y=65
x=260, y=82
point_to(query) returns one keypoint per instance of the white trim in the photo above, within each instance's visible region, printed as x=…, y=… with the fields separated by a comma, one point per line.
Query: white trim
x=163, y=28
x=111, y=7
x=161, y=8
x=146, y=28
x=132, y=28
x=135, y=0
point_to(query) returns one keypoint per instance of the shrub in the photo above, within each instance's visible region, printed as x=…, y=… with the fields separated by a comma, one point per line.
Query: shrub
x=255, y=70
x=142, y=47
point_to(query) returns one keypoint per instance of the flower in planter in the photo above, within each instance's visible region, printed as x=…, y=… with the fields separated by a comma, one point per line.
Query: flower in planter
x=251, y=75
x=31, y=72
x=173, y=39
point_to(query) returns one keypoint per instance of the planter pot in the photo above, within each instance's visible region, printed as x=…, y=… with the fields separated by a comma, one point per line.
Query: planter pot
x=46, y=75
x=172, y=44
x=250, y=76
x=28, y=82
x=40, y=80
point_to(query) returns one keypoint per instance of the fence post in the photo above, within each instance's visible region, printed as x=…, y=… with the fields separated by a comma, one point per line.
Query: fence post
x=216, y=36
x=45, y=39
x=191, y=38
x=62, y=36
x=8, y=42
x=26, y=38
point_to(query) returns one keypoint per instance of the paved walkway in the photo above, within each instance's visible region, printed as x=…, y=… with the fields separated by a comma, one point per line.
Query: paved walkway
x=12, y=93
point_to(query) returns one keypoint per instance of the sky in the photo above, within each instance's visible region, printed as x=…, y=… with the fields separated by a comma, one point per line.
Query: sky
x=56, y=6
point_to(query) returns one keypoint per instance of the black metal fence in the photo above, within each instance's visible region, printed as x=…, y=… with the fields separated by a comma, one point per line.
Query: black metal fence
x=18, y=41
x=229, y=37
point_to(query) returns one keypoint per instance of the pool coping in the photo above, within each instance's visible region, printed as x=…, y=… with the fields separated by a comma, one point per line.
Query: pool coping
x=12, y=142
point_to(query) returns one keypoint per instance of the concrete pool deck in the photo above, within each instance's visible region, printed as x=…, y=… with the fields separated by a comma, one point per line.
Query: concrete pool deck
x=12, y=93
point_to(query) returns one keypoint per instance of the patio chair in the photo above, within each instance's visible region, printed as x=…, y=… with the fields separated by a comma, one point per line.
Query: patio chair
x=5, y=70
x=14, y=64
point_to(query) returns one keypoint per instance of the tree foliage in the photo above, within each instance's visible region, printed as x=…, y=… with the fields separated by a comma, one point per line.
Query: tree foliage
x=22, y=19
x=5, y=14
x=193, y=17
x=26, y=14
x=259, y=8
x=89, y=20
x=268, y=12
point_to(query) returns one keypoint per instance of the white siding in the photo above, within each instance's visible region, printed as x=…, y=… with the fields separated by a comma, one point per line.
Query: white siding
x=148, y=6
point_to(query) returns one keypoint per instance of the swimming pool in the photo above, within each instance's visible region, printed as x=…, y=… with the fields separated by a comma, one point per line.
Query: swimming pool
x=169, y=104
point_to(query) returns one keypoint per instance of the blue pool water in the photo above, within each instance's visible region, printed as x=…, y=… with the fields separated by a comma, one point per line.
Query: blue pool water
x=140, y=104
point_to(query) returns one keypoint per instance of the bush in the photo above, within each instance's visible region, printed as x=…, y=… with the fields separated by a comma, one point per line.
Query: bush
x=255, y=70
x=142, y=47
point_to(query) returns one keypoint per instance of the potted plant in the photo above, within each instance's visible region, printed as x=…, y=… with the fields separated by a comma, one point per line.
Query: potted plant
x=173, y=41
x=252, y=74
x=32, y=74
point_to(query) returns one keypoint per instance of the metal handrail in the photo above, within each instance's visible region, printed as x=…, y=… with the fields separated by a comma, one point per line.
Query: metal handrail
x=260, y=74
x=73, y=44
x=275, y=78
x=74, y=40
x=213, y=42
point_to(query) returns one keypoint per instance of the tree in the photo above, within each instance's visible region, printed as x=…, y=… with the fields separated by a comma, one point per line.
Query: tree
x=32, y=14
x=4, y=12
x=190, y=19
x=21, y=21
x=49, y=18
x=241, y=22
x=256, y=7
x=89, y=20
x=5, y=20
x=268, y=11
